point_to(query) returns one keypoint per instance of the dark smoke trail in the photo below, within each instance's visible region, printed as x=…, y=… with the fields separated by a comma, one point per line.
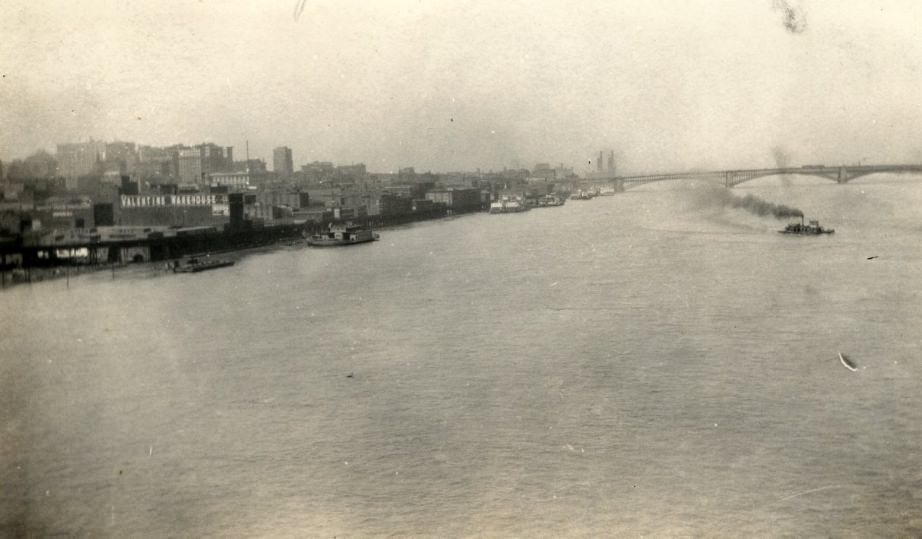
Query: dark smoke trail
x=782, y=158
x=794, y=18
x=711, y=196
x=757, y=206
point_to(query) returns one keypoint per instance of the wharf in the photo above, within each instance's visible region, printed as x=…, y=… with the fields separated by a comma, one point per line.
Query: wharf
x=17, y=256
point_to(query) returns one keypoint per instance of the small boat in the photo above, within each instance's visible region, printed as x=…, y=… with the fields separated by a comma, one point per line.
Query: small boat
x=551, y=201
x=847, y=363
x=508, y=204
x=340, y=235
x=583, y=195
x=801, y=229
x=195, y=264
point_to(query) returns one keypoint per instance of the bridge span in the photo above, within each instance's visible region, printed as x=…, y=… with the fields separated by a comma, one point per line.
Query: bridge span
x=732, y=178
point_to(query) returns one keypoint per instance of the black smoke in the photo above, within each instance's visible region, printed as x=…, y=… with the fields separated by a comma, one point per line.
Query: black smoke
x=713, y=196
x=756, y=205
x=793, y=17
x=781, y=156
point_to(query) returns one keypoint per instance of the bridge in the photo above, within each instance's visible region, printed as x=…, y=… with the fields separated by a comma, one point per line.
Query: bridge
x=732, y=178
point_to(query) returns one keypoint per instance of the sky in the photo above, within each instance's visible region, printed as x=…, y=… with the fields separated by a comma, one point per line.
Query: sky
x=462, y=85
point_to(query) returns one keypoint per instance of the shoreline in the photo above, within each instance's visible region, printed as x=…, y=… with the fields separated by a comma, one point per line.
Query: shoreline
x=36, y=274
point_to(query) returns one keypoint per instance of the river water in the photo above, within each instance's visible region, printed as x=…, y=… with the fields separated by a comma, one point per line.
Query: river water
x=647, y=364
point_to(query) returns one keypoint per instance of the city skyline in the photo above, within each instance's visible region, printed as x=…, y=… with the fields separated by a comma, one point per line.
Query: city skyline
x=460, y=86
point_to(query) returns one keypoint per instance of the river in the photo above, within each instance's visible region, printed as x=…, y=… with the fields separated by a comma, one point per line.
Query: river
x=646, y=364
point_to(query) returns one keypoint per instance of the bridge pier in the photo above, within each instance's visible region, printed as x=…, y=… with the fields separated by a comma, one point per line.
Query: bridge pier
x=842, y=176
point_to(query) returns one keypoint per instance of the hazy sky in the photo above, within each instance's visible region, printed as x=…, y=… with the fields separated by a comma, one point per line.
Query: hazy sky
x=460, y=85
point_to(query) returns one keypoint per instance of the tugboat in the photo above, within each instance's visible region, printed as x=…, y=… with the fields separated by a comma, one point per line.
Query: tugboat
x=811, y=229
x=340, y=235
x=197, y=263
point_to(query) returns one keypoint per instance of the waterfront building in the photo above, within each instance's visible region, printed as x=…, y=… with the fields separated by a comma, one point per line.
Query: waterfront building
x=170, y=210
x=62, y=212
x=423, y=205
x=457, y=199
x=394, y=204
x=282, y=162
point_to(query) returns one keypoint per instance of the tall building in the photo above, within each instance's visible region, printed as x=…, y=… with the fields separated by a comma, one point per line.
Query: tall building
x=79, y=159
x=153, y=162
x=189, y=166
x=282, y=163
x=215, y=158
x=611, y=161
x=123, y=154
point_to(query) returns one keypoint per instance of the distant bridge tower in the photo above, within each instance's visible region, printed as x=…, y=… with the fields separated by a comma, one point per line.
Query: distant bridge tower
x=611, y=163
x=598, y=163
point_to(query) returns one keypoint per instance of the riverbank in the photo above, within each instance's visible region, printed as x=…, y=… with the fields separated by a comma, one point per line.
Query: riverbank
x=237, y=244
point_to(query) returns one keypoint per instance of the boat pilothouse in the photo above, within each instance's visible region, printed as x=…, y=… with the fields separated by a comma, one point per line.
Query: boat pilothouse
x=812, y=228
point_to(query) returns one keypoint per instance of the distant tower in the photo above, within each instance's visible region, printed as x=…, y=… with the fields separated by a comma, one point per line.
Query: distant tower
x=611, y=161
x=282, y=162
x=598, y=163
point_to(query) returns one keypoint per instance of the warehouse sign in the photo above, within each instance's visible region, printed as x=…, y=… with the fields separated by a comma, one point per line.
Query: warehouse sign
x=162, y=201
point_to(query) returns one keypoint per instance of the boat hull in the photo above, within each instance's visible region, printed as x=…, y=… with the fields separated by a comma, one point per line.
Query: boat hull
x=336, y=242
x=508, y=210
x=196, y=268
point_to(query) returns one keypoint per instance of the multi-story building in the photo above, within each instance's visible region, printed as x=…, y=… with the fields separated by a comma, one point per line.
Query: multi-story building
x=215, y=158
x=152, y=162
x=189, y=166
x=122, y=155
x=236, y=181
x=353, y=171
x=393, y=204
x=39, y=165
x=79, y=159
x=282, y=162
x=457, y=199
x=255, y=166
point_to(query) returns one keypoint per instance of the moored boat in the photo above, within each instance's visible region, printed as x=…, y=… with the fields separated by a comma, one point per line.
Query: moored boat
x=197, y=263
x=341, y=235
x=508, y=205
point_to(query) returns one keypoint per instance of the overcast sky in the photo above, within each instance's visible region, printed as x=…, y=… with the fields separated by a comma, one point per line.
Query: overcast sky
x=457, y=85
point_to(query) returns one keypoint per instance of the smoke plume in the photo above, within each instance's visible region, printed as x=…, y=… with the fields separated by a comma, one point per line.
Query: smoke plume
x=756, y=205
x=712, y=196
x=794, y=18
x=782, y=158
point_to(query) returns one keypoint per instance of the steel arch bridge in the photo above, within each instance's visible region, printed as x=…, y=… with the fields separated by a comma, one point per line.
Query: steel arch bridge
x=732, y=178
